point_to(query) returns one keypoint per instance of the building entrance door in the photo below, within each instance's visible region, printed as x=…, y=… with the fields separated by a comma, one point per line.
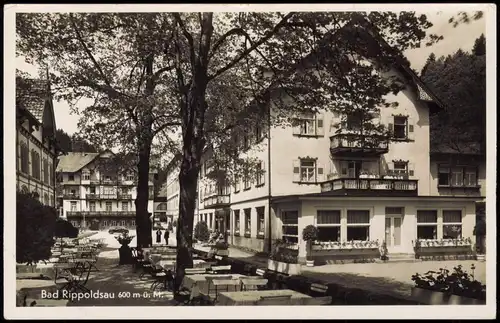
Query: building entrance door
x=393, y=223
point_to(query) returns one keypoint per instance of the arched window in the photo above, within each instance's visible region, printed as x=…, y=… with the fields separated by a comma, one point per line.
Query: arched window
x=36, y=195
x=162, y=206
x=46, y=199
x=51, y=175
x=24, y=189
x=35, y=164
x=24, y=158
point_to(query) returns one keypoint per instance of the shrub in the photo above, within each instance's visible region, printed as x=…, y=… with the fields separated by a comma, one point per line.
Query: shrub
x=458, y=282
x=35, y=228
x=281, y=252
x=65, y=229
x=480, y=228
x=310, y=233
x=201, y=232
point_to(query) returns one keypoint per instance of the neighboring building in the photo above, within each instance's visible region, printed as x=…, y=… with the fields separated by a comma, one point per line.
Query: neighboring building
x=167, y=201
x=36, y=146
x=350, y=186
x=95, y=191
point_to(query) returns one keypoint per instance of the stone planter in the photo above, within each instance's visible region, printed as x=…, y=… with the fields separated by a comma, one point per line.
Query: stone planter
x=283, y=267
x=125, y=255
x=429, y=297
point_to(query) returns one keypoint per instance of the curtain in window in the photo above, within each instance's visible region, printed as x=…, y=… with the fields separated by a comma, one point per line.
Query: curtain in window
x=358, y=217
x=426, y=216
x=328, y=217
x=452, y=216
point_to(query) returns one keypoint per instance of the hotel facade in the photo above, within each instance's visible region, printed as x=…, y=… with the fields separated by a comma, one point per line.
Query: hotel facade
x=36, y=146
x=94, y=195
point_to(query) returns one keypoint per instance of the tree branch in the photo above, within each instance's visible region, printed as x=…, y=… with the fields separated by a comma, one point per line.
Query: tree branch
x=269, y=35
x=187, y=35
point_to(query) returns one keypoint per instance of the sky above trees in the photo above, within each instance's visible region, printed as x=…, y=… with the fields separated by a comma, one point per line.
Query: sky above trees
x=459, y=37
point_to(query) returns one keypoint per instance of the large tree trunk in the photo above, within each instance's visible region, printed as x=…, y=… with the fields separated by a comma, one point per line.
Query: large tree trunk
x=143, y=223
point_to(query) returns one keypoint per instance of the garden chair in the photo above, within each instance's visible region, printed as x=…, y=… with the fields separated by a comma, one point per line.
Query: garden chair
x=274, y=300
x=163, y=278
x=192, y=297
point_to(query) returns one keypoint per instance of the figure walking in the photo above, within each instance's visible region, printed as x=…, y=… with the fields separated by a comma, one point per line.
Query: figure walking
x=158, y=236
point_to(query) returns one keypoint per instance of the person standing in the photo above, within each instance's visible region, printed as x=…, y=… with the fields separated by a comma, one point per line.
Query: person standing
x=166, y=236
x=158, y=236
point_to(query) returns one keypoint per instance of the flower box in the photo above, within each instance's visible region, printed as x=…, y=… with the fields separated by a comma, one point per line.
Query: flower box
x=283, y=267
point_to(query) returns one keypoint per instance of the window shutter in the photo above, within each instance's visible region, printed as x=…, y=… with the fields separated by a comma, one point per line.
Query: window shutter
x=411, y=169
x=320, y=177
x=411, y=130
x=296, y=170
x=320, y=127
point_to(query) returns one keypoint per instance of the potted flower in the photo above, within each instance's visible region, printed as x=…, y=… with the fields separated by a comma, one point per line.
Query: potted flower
x=309, y=234
x=480, y=233
x=125, y=252
x=442, y=287
x=283, y=259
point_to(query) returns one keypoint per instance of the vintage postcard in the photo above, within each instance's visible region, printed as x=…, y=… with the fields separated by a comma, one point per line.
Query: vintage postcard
x=331, y=161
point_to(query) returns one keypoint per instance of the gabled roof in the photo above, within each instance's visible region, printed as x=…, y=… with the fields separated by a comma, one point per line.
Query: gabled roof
x=32, y=95
x=74, y=161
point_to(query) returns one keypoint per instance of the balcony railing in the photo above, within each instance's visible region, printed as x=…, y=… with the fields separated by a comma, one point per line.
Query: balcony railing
x=71, y=196
x=95, y=181
x=109, y=196
x=92, y=196
x=216, y=201
x=355, y=144
x=100, y=213
x=124, y=196
x=108, y=181
x=371, y=186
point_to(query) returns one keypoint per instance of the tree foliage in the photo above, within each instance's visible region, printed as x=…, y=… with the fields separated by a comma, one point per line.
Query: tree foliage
x=73, y=143
x=215, y=74
x=35, y=228
x=201, y=232
x=460, y=80
x=64, y=229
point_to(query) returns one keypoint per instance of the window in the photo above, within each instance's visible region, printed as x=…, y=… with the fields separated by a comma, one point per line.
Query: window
x=400, y=125
x=113, y=223
x=107, y=190
x=328, y=224
x=210, y=220
x=24, y=158
x=45, y=171
x=71, y=177
x=104, y=223
x=358, y=225
x=260, y=221
x=309, y=125
x=46, y=199
x=246, y=180
x=290, y=226
x=124, y=206
x=237, y=221
x=51, y=174
x=130, y=177
x=458, y=176
x=123, y=223
x=307, y=171
x=444, y=176
x=426, y=224
x=86, y=176
x=354, y=121
x=236, y=185
x=92, y=190
x=92, y=206
x=35, y=164
x=109, y=206
x=248, y=221
x=261, y=174
x=73, y=206
x=452, y=224
x=132, y=223
x=400, y=168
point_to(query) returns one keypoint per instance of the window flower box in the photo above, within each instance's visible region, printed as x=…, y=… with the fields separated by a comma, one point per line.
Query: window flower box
x=427, y=243
x=237, y=233
x=334, y=245
x=247, y=234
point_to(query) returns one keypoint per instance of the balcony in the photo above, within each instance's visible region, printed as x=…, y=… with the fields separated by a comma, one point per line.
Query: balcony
x=124, y=196
x=96, y=214
x=109, y=196
x=370, y=187
x=71, y=196
x=94, y=181
x=216, y=201
x=92, y=196
x=108, y=182
x=357, y=145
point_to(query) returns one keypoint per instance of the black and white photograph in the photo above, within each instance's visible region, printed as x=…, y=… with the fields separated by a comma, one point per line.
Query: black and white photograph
x=241, y=155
